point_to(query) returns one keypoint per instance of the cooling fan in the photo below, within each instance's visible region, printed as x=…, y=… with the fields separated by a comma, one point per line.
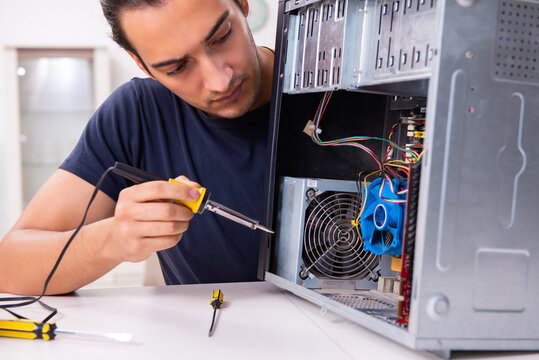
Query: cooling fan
x=382, y=219
x=332, y=247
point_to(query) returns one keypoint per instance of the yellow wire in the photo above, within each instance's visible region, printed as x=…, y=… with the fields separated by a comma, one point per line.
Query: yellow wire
x=356, y=221
x=397, y=162
x=398, y=166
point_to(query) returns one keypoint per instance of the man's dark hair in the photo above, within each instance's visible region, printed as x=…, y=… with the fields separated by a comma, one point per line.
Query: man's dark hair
x=112, y=9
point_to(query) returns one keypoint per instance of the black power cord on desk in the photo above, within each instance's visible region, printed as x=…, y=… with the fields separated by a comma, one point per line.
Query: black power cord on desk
x=20, y=301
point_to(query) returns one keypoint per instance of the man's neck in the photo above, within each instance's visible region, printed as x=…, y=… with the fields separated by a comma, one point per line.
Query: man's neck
x=266, y=76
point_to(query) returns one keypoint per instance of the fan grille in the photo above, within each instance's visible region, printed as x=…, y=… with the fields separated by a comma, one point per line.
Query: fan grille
x=332, y=247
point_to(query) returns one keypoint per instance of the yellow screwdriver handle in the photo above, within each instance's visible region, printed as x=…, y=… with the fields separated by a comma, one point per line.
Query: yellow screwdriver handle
x=27, y=329
x=195, y=206
x=217, y=299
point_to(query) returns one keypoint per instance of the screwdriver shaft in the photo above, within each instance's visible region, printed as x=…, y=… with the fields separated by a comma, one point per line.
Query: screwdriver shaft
x=122, y=337
x=212, y=322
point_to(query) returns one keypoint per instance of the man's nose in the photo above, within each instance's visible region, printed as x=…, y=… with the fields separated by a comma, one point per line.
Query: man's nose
x=216, y=74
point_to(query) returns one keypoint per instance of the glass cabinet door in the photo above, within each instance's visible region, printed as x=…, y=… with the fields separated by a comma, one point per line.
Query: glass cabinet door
x=56, y=92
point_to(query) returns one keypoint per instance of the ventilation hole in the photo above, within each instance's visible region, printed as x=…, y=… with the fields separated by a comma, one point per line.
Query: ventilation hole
x=516, y=36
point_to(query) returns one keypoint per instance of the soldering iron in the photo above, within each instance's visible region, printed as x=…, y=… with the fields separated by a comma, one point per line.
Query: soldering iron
x=198, y=206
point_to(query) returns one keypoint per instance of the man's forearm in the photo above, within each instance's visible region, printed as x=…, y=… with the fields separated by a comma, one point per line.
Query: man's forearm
x=27, y=256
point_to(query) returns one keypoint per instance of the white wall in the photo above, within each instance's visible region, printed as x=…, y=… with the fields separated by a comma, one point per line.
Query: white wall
x=58, y=24
x=43, y=24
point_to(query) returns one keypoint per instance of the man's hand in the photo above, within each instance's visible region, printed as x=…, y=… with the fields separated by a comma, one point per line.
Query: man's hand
x=147, y=220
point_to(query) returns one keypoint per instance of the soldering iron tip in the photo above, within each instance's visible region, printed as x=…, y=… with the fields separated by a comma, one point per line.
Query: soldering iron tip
x=265, y=229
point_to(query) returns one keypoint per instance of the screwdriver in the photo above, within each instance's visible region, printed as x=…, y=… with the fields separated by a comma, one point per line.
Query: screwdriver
x=198, y=206
x=27, y=329
x=216, y=302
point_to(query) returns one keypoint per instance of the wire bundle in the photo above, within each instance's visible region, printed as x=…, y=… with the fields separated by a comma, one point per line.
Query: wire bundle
x=386, y=169
x=354, y=141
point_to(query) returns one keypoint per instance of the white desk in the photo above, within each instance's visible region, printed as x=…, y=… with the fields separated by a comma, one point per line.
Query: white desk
x=259, y=321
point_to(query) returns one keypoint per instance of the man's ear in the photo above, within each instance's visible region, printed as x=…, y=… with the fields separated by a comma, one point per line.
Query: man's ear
x=244, y=5
x=139, y=63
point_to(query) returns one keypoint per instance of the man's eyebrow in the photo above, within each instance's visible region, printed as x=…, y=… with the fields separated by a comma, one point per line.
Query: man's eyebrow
x=216, y=26
x=212, y=32
x=169, y=62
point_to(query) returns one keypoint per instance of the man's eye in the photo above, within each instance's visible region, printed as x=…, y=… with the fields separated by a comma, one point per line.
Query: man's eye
x=177, y=70
x=223, y=38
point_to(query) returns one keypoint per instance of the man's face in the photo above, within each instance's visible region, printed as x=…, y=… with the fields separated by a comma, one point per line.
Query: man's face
x=202, y=51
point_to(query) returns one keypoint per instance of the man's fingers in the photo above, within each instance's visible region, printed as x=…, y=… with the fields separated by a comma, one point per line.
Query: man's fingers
x=155, y=211
x=186, y=181
x=152, y=229
x=160, y=190
x=143, y=248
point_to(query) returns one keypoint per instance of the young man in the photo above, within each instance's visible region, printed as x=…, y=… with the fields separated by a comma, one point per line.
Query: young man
x=202, y=113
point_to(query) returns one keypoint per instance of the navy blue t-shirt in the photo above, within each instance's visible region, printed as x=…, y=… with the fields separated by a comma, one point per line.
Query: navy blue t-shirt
x=145, y=125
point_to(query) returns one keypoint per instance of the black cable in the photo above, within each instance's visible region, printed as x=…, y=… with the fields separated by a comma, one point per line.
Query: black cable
x=28, y=300
x=359, y=194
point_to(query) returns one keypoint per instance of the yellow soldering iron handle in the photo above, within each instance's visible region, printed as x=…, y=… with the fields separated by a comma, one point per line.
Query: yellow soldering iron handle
x=140, y=176
x=196, y=206
x=27, y=329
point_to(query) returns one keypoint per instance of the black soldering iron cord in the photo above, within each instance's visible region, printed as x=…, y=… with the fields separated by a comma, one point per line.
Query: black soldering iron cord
x=19, y=301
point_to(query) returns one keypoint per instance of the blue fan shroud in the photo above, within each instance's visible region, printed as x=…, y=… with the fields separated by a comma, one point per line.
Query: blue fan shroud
x=379, y=217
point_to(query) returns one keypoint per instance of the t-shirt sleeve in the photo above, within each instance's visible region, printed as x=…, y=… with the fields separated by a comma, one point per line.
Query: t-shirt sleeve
x=109, y=136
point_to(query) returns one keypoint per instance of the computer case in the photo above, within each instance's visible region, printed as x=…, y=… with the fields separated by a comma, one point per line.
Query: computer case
x=455, y=82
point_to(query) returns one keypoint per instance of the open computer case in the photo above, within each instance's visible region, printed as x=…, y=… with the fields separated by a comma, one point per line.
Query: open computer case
x=404, y=172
